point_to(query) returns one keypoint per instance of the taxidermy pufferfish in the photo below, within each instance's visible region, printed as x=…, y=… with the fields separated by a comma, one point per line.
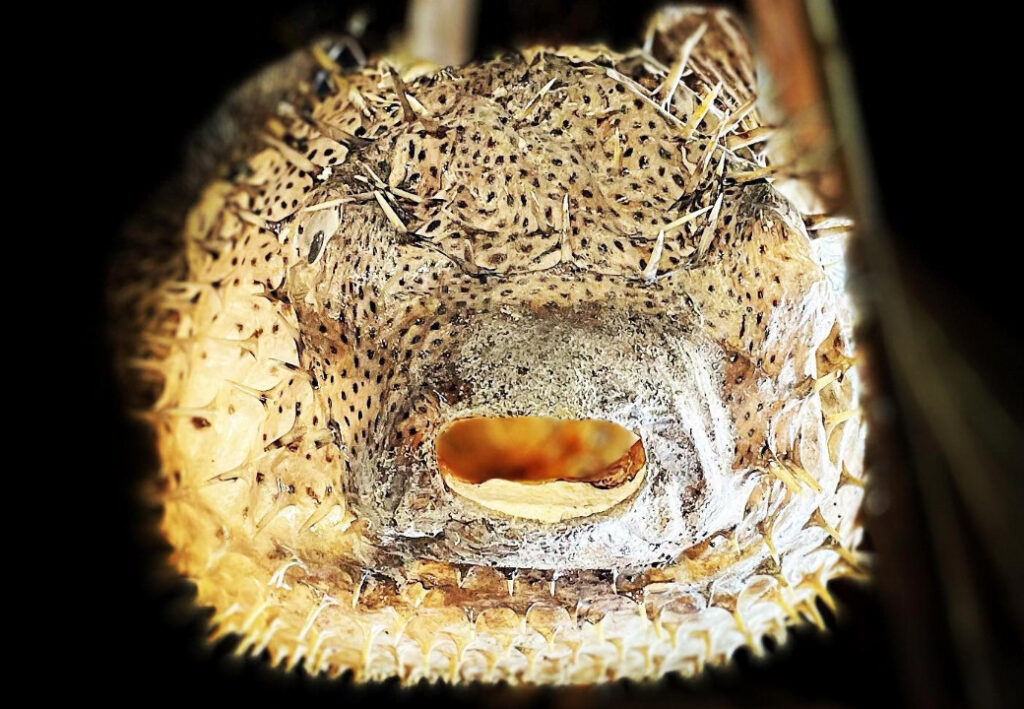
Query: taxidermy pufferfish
x=521, y=370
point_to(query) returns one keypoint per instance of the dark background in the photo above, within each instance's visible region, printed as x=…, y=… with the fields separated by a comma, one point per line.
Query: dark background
x=151, y=77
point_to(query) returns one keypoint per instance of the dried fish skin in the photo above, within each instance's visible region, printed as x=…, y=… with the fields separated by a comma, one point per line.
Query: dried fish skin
x=570, y=233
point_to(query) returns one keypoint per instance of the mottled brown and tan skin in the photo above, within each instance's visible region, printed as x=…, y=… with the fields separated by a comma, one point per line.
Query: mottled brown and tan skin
x=570, y=232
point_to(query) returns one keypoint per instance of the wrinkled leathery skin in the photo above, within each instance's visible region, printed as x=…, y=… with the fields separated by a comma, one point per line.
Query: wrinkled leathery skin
x=384, y=265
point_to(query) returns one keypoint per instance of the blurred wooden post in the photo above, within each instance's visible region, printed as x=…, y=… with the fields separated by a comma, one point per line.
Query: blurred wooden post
x=441, y=31
x=786, y=43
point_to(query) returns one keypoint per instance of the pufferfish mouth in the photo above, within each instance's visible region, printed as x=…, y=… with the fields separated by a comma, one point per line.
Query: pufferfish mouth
x=539, y=467
x=539, y=449
x=458, y=488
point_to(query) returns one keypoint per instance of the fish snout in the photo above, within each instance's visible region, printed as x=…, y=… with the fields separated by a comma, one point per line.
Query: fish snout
x=571, y=439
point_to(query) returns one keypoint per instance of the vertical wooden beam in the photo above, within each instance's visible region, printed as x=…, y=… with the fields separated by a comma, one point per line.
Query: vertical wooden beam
x=787, y=46
x=442, y=31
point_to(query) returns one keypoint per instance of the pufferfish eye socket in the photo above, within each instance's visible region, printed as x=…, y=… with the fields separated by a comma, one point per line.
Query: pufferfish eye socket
x=511, y=371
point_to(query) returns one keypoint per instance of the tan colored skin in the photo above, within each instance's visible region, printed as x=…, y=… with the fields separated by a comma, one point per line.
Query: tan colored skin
x=484, y=248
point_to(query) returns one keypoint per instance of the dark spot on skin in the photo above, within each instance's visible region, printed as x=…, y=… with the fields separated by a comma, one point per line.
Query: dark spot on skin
x=315, y=246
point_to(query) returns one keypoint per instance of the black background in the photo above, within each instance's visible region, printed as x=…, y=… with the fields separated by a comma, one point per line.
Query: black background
x=150, y=77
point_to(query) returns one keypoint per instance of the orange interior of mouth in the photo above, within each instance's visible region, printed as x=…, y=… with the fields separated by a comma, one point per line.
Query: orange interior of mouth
x=539, y=449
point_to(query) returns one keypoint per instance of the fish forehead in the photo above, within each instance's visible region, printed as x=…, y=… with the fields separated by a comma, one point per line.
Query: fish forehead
x=558, y=166
x=522, y=166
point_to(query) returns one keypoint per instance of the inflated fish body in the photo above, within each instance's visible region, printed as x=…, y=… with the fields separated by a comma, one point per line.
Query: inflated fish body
x=555, y=235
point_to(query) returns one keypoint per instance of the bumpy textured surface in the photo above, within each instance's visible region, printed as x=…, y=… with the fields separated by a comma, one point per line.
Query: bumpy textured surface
x=571, y=233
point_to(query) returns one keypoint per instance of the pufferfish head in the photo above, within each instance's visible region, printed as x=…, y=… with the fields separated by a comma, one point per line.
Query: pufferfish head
x=520, y=370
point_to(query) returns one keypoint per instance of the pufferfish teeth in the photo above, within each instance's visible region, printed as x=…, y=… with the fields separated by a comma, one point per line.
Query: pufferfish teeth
x=522, y=370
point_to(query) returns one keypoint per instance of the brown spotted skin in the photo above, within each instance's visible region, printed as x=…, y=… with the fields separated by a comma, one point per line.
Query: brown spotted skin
x=380, y=265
